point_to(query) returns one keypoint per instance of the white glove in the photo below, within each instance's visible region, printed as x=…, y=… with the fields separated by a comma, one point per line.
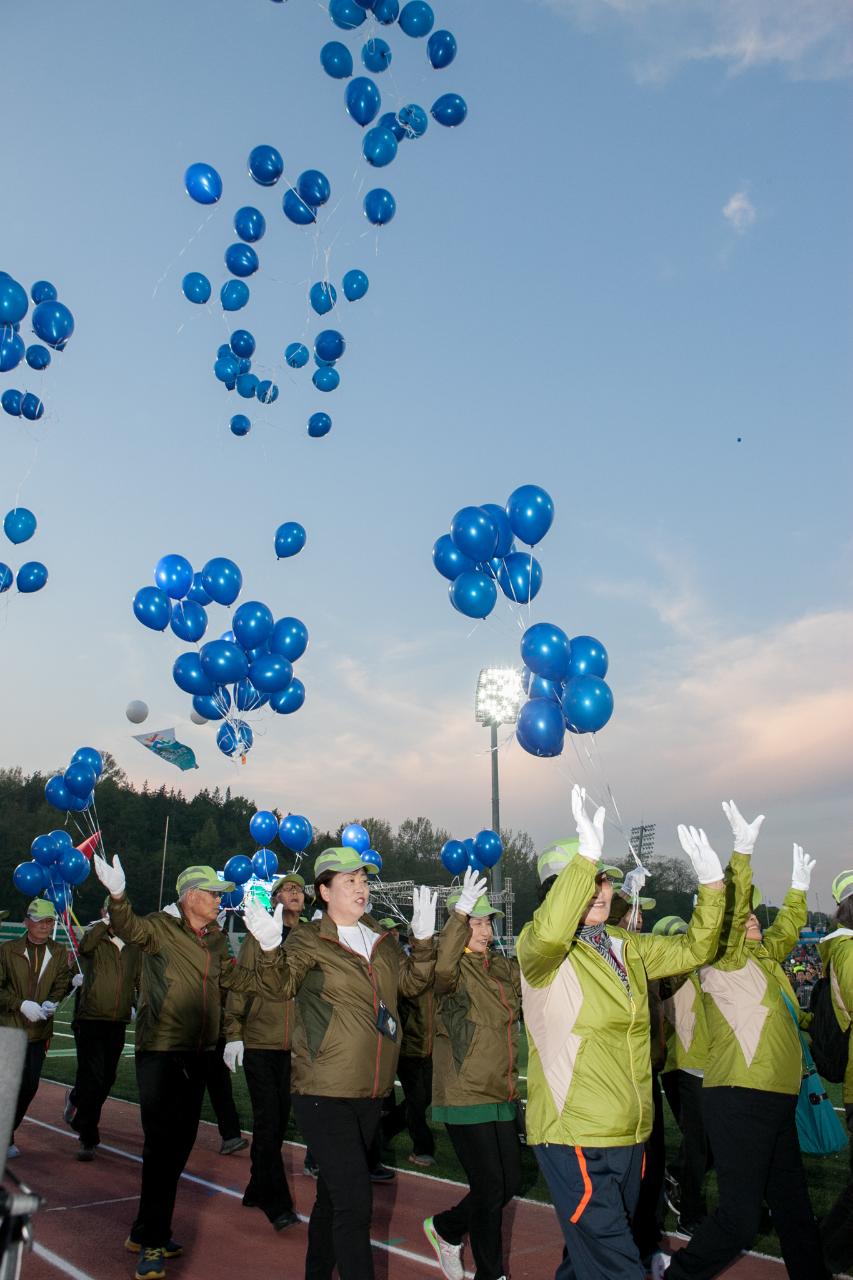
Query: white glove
x=590, y=833
x=745, y=833
x=633, y=882
x=232, y=1054
x=264, y=928
x=76, y=981
x=803, y=868
x=33, y=1012
x=473, y=887
x=49, y=1007
x=133, y=1013
x=423, y=913
x=706, y=864
x=111, y=877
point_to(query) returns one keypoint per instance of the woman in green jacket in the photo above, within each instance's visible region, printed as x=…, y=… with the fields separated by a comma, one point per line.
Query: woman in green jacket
x=475, y=1071
x=836, y=953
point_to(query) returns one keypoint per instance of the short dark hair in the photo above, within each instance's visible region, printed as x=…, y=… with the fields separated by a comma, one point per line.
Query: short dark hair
x=545, y=888
x=844, y=914
x=325, y=877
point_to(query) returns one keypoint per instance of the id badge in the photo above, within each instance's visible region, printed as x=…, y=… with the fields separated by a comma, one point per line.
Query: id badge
x=386, y=1023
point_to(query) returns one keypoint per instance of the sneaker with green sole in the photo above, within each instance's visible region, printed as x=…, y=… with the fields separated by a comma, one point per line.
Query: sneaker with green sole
x=449, y=1255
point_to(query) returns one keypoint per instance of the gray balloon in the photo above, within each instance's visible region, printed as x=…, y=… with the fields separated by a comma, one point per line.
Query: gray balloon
x=136, y=712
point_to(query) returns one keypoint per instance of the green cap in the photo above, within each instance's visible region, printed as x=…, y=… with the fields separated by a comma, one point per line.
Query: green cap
x=842, y=886
x=41, y=909
x=292, y=877
x=482, y=907
x=202, y=878
x=669, y=925
x=388, y=922
x=559, y=854
x=756, y=897
x=337, y=860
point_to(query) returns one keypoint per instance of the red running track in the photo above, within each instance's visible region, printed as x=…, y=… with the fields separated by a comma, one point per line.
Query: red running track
x=89, y=1207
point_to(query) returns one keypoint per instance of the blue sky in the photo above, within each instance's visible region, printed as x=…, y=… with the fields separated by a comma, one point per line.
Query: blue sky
x=633, y=252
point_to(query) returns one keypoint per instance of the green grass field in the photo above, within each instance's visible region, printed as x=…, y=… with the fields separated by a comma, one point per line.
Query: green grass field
x=826, y=1175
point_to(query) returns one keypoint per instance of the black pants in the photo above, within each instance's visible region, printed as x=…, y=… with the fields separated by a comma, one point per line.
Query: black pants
x=416, y=1079
x=339, y=1132
x=99, y=1047
x=33, y=1063
x=595, y=1191
x=647, y=1221
x=837, y=1227
x=491, y=1157
x=684, y=1095
x=268, y=1079
x=218, y=1084
x=171, y=1091
x=753, y=1137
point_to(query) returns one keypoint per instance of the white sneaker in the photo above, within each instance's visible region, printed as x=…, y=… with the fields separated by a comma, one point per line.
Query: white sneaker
x=660, y=1265
x=12, y=1152
x=449, y=1255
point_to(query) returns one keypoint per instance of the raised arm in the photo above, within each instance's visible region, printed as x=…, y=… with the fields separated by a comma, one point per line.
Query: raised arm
x=793, y=913
x=92, y=937
x=451, y=948
x=417, y=970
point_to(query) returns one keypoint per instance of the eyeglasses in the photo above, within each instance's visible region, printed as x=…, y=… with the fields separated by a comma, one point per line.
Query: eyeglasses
x=211, y=893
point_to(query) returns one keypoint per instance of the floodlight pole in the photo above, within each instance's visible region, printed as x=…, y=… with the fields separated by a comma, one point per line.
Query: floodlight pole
x=497, y=873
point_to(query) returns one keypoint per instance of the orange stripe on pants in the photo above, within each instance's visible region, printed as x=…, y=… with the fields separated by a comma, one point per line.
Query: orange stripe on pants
x=587, y=1186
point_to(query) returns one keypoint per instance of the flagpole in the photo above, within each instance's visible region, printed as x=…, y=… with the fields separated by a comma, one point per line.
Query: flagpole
x=163, y=866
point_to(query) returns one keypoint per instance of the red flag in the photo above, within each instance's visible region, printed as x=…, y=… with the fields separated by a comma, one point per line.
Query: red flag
x=90, y=846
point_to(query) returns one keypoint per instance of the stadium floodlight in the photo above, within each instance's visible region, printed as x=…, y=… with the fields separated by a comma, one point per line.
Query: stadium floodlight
x=497, y=701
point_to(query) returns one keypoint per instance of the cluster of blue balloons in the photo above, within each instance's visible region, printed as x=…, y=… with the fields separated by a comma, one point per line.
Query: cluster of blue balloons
x=19, y=525
x=565, y=686
x=354, y=836
x=74, y=790
x=294, y=832
x=479, y=554
x=51, y=321
x=479, y=852
x=233, y=368
x=55, y=868
x=329, y=344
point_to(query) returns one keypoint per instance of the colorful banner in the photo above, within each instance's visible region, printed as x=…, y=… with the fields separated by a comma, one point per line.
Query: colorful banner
x=164, y=744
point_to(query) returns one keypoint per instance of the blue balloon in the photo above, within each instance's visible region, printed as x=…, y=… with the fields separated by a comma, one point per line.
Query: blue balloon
x=13, y=300
x=223, y=662
x=152, y=608
x=416, y=18
x=545, y=650
x=31, y=407
x=454, y=857
x=379, y=206
x=488, y=847
x=363, y=100
x=95, y=761
x=19, y=525
x=313, y=187
x=336, y=60
x=322, y=297
x=203, y=183
x=289, y=539
x=520, y=576
x=43, y=291
x=7, y=577
x=11, y=401
x=38, y=357
x=79, y=779
x=296, y=355
x=265, y=863
x=249, y=223
x=473, y=594
x=174, y=575
x=222, y=580
x=389, y=121
x=213, y=706
x=238, y=869
x=45, y=851
x=539, y=687
x=441, y=49
x=326, y=379
x=56, y=793
x=297, y=210
x=329, y=344
x=243, y=365
x=242, y=343
x=61, y=897
x=226, y=368
x=263, y=827
x=295, y=832
x=11, y=349
x=372, y=861
x=449, y=110
x=386, y=11
x=30, y=878
x=319, y=424
x=413, y=119
x=531, y=512
x=474, y=533
x=253, y=624
x=247, y=385
x=355, y=837
x=502, y=525
x=265, y=165
x=234, y=295
x=473, y=861
x=449, y=560
x=346, y=14
x=267, y=392
x=233, y=899
x=376, y=55
x=189, y=620
x=235, y=738
x=53, y=323
x=188, y=675
x=197, y=591
x=196, y=287
x=587, y=704
x=60, y=836
x=355, y=285
x=271, y=673
x=289, y=638
x=379, y=147
x=587, y=657
x=31, y=577
x=540, y=728
x=246, y=696
x=74, y=866
x=241, y=259
x=289, y=699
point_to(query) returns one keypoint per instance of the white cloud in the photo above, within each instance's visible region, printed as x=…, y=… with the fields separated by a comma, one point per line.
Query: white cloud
x=739, y=212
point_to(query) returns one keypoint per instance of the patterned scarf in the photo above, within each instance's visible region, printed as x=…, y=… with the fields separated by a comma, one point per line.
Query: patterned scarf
x=599, y=939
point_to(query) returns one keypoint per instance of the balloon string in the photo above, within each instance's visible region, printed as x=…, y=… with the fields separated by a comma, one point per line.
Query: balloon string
x=181, y=253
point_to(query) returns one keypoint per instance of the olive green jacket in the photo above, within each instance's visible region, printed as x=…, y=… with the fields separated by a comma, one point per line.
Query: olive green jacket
x=258, y=1020
x=19, y=982
x=478, y=1004
x=110, y=977
x=338, y=1050
x=685, y=1027
x=836, y=953
x=418, y=1018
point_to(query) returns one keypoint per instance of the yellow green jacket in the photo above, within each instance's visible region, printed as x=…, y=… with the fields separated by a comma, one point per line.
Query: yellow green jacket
x=589, y=1074
x=836, y=953
x=685, y=1026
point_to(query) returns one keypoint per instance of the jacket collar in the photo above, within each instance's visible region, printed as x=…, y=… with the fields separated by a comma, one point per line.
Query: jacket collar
x=837, y=933
x=328, y=928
